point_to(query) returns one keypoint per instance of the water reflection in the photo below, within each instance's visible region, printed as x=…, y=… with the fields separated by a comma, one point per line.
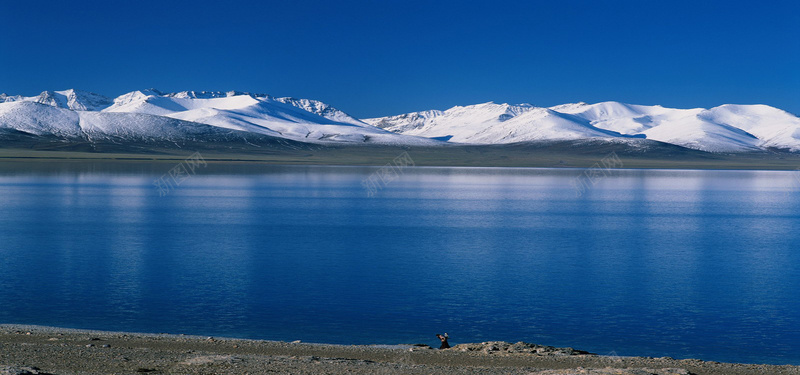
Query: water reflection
x=645, y=263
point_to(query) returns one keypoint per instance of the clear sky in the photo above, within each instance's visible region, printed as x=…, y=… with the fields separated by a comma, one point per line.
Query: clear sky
x=376, y=58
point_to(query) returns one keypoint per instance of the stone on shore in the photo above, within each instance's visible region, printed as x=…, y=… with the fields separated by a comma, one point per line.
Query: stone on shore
x=502, y=347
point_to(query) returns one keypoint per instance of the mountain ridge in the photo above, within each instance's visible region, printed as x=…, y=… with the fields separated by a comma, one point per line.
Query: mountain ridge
x=76, y=115
x=725, y=128
x=156, y=115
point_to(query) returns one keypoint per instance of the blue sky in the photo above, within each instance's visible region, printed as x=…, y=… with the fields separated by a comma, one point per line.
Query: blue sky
x=374, y=58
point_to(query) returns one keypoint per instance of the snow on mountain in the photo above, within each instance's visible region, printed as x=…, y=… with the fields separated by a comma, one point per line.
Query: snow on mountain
x=39, y=119
x=75, y=114
x=699, y=134
x=74, y=99
x=157, y=103
x=773, y=127
x=404, y=122
x=69, y=99
x=546, y=124
x=4, y=98
x=683, y=127
x=297, y=119
x=321, y=109
x=728, y=128
x=46, y=120
x=493, y=123
x=618, y=117
x=154, y=102
x=151, y=114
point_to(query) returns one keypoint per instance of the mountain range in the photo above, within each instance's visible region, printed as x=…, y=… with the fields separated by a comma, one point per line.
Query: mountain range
x=154, y=116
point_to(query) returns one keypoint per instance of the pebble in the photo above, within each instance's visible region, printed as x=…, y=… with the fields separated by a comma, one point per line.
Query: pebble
x=11, y=370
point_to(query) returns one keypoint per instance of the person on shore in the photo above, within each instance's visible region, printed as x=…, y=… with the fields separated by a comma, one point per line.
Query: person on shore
x=443, y=338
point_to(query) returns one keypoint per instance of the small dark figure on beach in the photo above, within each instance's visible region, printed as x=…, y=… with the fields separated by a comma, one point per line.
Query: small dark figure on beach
x=443, y=338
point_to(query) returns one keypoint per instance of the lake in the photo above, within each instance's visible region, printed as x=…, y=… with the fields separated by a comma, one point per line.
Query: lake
x=700, y=264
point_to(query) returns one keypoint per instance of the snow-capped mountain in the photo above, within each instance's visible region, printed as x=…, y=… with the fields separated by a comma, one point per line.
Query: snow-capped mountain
x=773, y=127
x=494, y=123
x=683, y=127
x=321, y=109
x=157, y=103
x=151, y=115
x=297, y=119
x=75, y=114
x=46, y=120
x=70, y=99
x=405, y=122
x=727, y=128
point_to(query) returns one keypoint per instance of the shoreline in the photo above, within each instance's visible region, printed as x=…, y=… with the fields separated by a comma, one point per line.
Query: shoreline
x=15, y=165
x=27, y=349
x=551, y=155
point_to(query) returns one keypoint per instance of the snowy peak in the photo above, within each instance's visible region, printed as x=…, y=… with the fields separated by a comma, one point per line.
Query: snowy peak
x=76, y=100
x=772, y=126
x=488, y=123
x=211, y=94
x=4, y=98
x=133, y=101
x=85, y=101
x=707, y=130
x=444, y=124
x=603, y=110
x=490, y=110
x=404, y=122
x=154, y=102
x=151, y=115
x=145, y=114
x=297, y=119
x=29, y=116
x=727, y=128
x=569, y=107
x=52, y=99
x=321, y=109
x=157, y=103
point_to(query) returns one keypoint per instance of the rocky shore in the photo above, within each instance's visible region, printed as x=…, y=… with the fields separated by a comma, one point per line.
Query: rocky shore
x=44, y=350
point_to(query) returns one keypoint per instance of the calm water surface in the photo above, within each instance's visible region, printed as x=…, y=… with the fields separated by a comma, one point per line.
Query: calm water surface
x=697, y=264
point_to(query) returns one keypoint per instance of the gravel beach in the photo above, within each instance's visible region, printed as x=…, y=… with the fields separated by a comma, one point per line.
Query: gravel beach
x=47, y=350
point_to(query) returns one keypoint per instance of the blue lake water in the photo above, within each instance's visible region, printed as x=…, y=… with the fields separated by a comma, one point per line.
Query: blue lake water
x=700, y=264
